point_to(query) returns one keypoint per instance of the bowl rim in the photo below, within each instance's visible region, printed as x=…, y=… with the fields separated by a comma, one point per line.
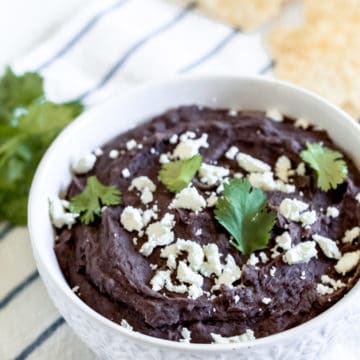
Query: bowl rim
x=147, y=339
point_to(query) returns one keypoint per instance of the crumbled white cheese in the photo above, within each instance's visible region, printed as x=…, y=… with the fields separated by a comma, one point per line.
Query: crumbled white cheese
x=328, y=246
x=98, y=152
x=132, y=219
x=308, y=217
x=173, y=139
x=274, y=114
x=347, y=262
x=142, y=182
x=272, y=271
x=186, y=335
x=266, y=300
x=113, y=154
x=265, y=181
x=291, y=208
x=232, y=112
x=186, y=275
x=294, y=210
x=164, y=159
x=84, y=164
x=238, y=175
x=146, y=188
x=357, y=197
x=301, y=253
x=263, y=257
x=189, y=146
x=251, y=164
x=283, y=241
x=302, y=123
x=231, y=153
x=188, y=198
x=148, y=215
x=283, y=168
x=194, y=250
x=303, y=275
x=246, y=337
x=351, y=235
x=301, y=170
x=236, y=299
x=162, y=279
x=230, y=273
x=253, y=260
x=212, y=265
x=76, y=289
x=58, y=214
x=324, y=289
x=153, y=151
x=126, y=325
x=198, y=232
x=131, y=144
x=211, y=174
x=170, y=253
x=125, y=173
x=332, y=211
x=328, y=285
x=159, y=233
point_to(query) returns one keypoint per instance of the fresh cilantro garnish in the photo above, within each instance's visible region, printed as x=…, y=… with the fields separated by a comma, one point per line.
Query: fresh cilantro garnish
x=28, y=124
x=328, y=164
x=177, y=175
x=242, y=211
x=90, y=201
x=18, y=92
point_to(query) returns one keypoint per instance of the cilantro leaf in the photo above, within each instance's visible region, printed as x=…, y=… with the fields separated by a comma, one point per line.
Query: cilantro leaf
x=95, y=195
x=328, y=164
x=243, y=212
x=177, y=175
x=18, y=92
x=24, y=137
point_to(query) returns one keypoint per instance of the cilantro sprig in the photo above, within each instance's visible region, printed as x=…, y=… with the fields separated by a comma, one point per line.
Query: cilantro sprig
x=28, y=124
x=243, y=212
x=94, y=196
x=328, y=164
x=177, y=175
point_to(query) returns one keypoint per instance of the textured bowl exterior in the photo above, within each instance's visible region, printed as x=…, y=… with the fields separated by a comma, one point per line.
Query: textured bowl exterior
x=109, y=340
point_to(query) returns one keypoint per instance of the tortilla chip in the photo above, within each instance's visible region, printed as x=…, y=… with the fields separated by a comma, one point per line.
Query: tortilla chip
x=244, y=14
x=322, y=55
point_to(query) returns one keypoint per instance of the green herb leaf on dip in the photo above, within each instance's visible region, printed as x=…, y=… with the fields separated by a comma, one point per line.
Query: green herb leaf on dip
x=328, y=164
x=243, y=212
x=177, y=175
x=94, y=196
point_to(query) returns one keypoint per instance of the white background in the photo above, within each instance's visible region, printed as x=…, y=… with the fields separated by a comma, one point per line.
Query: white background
x=25, y=23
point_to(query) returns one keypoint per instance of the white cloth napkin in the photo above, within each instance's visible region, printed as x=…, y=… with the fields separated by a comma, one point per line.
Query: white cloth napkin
x=108, y=47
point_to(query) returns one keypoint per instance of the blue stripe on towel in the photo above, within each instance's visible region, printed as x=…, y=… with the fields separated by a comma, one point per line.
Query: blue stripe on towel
x=40, y=339
x=18, y=289
x=267, y=68
x=5, y=230
x=87, y=27
x=125, y=57
x=212, y=52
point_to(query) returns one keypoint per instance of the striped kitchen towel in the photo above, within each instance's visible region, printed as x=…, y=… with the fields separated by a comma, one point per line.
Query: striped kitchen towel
x=108, y=47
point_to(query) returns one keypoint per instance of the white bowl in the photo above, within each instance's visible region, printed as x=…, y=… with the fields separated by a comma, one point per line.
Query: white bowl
x=94, y=128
